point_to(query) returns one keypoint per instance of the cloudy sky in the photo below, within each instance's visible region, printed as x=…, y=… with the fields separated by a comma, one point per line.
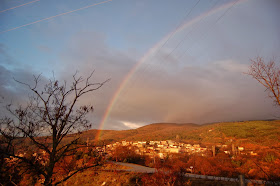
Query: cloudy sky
x=168, y=60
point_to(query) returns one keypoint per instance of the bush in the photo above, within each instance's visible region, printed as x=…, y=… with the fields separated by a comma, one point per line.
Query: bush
x=127, y=154
x=78, y=155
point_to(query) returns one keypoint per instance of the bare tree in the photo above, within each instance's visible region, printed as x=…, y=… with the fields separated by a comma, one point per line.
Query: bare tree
x=268, y=74
x=44, y=122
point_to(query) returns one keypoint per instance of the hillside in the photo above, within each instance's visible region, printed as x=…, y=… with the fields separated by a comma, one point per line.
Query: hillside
x=256, y=132
x=264, y=133
x=156, y=131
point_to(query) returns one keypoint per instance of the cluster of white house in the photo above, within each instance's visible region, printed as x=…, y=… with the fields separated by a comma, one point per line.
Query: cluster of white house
x=162, y=148
x=41, y=157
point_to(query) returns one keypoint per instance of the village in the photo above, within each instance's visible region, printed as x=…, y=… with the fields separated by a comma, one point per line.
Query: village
x=164, y=148
x=153, y=151
x=161, y=149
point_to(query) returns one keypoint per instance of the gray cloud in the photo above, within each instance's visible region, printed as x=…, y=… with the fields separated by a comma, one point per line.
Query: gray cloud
x=5, y=58
x=159, y=91
x=198, y=94
x=44, y=49
x=88, y=51
x=10, y=90
x=163, y=91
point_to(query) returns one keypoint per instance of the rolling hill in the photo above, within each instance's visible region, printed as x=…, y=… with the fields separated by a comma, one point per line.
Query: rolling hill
x=156, y=131
x=257, y=132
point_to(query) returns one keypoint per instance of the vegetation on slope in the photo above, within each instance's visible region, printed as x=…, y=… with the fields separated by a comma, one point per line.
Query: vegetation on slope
x=256, y=132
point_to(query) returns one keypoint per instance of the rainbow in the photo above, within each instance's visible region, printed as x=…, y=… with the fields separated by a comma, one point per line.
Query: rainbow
x=152, y=51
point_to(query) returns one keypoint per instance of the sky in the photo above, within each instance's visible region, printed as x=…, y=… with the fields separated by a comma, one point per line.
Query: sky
x=171, y=61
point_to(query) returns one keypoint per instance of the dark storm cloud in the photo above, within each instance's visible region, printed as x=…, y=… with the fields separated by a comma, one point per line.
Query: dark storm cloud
x=89, y=52
x=10, y=72
x=164, y=91
x=198, y=94
x=12, y=90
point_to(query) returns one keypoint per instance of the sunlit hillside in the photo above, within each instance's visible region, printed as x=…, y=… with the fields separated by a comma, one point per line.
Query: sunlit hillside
x=256, y=132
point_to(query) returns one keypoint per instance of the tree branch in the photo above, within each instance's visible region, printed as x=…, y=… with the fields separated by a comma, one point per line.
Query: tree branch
x=75, y=172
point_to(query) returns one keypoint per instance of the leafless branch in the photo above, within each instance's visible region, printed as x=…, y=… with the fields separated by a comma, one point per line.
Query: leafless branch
x=75, y=172
x=267, y=74
x=52, y=110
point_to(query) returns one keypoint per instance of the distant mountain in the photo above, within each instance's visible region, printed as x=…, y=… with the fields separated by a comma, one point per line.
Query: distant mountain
x=258, y=132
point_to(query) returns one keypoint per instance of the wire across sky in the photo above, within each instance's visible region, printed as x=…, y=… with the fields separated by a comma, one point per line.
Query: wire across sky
x=1, y=11
x=51, y=17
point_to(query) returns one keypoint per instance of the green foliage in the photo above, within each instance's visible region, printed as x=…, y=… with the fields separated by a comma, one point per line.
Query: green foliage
x=270, y=157
x=237, y=163
x=260, y=132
